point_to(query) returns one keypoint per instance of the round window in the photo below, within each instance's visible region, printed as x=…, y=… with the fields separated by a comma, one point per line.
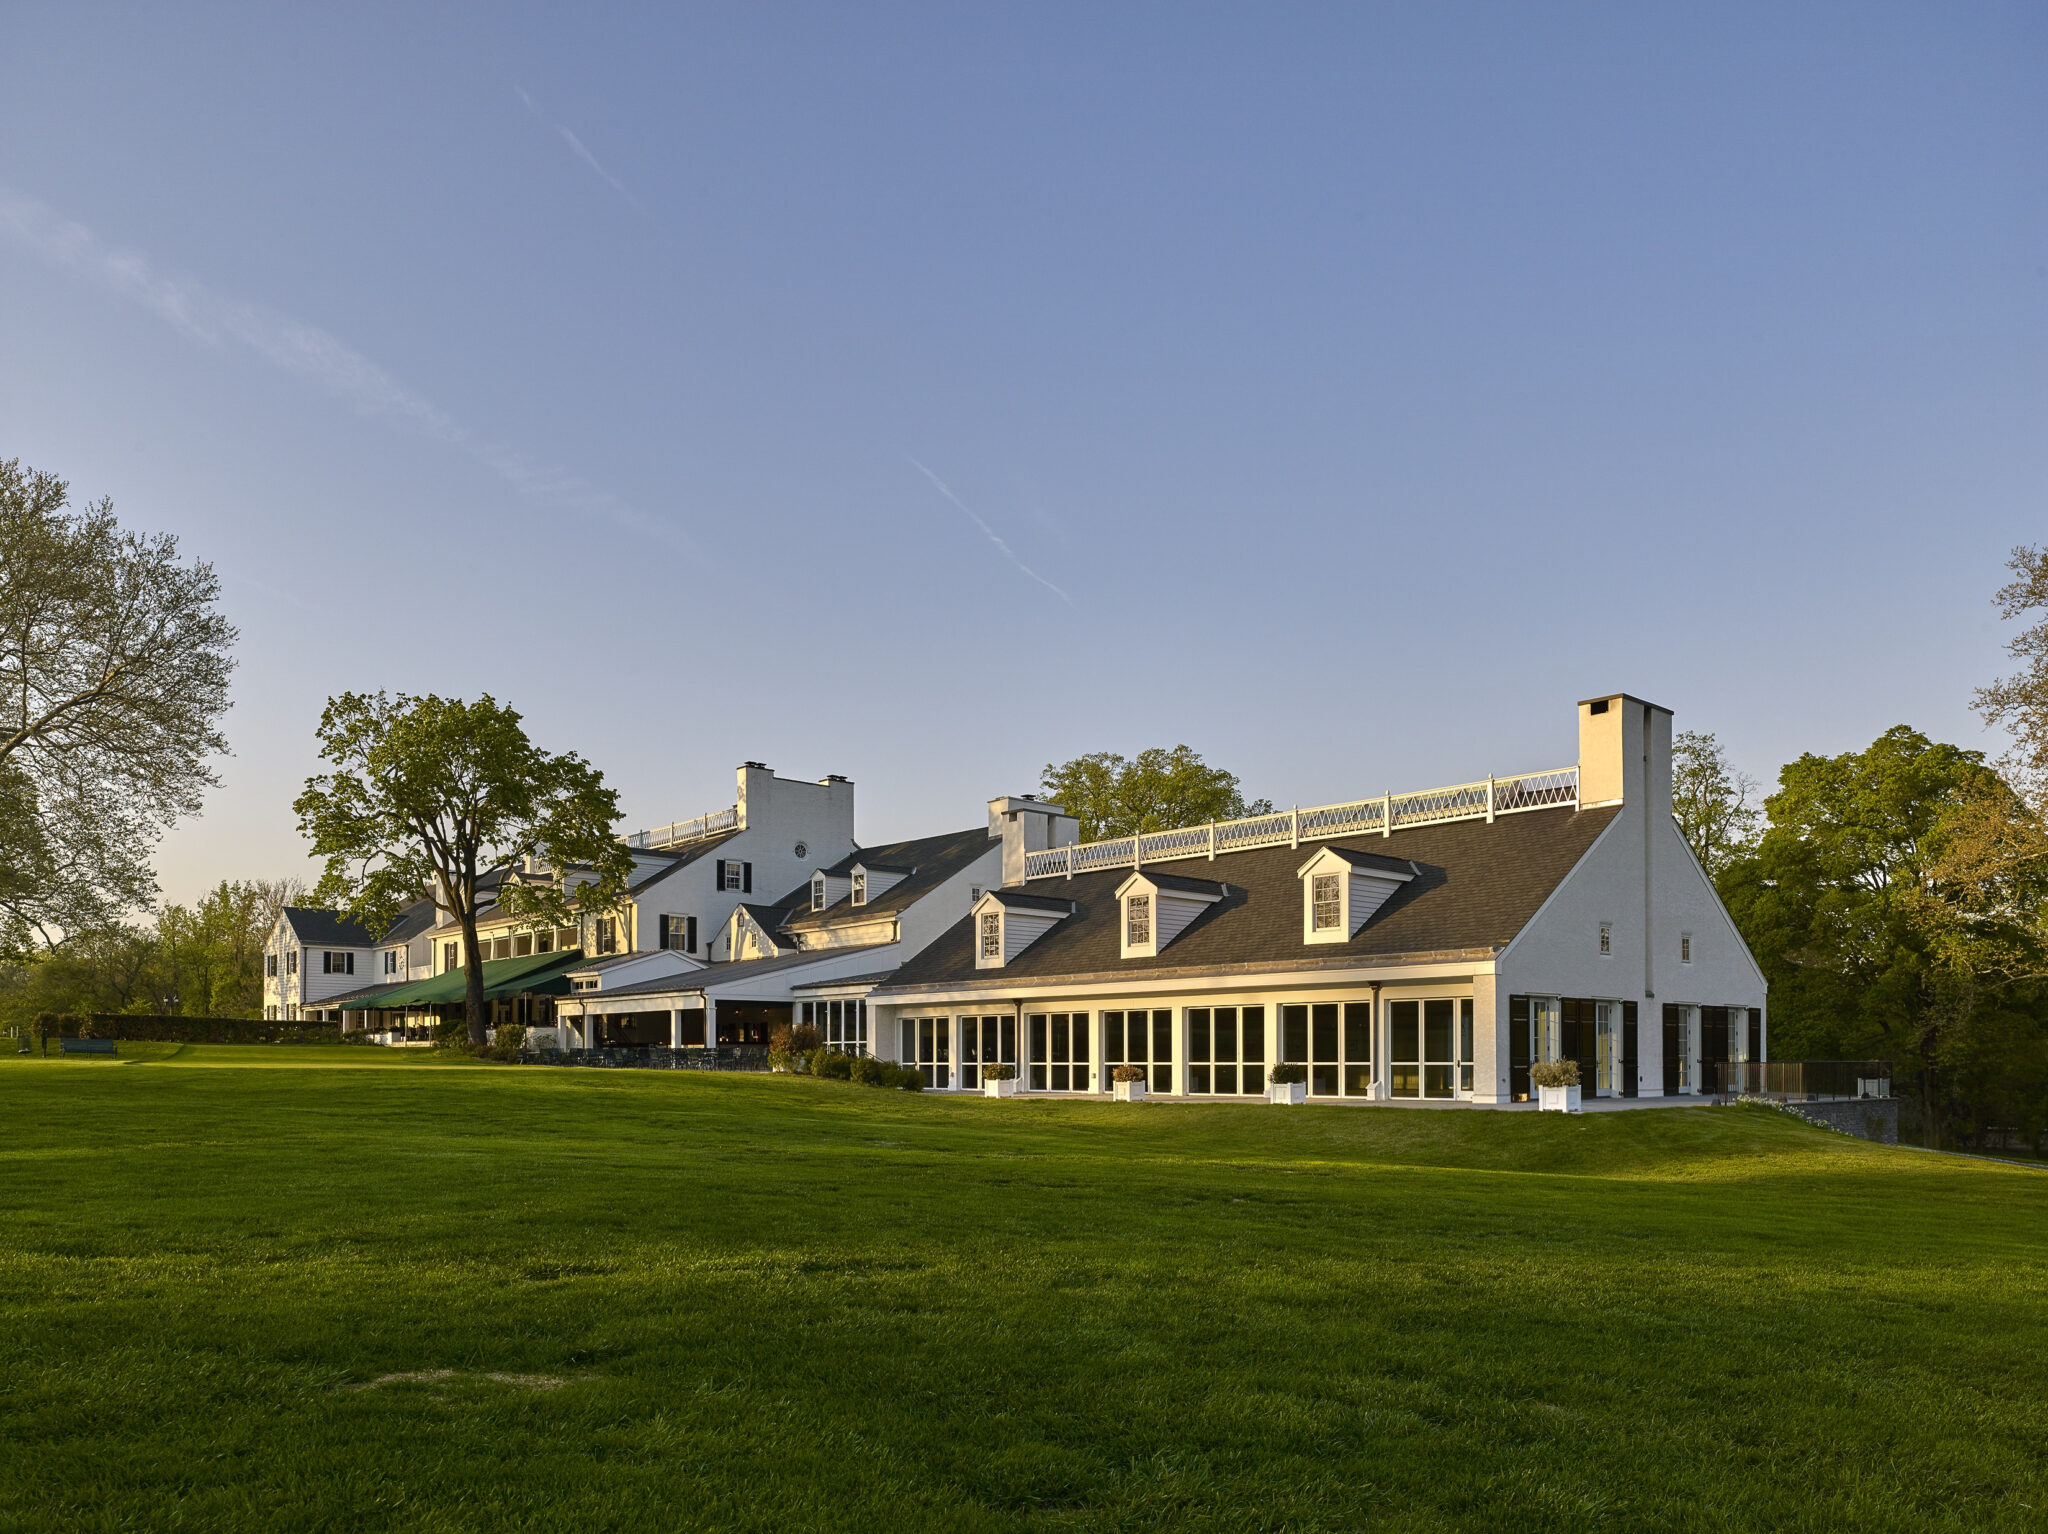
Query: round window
x=802, y=850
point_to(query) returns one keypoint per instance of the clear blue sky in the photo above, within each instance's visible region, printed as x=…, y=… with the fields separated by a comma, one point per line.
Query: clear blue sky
x=1371, y=383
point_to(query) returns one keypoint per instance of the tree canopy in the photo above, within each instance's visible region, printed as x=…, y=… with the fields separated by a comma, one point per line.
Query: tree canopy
x=428, y=794
x=1870, y=951
x=1156, y=791
x=114, y=672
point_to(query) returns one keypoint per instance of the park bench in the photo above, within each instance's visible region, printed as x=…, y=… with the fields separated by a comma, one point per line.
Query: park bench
x=87, y=1046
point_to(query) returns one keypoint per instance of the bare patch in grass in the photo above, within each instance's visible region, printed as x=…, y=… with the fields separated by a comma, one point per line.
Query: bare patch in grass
x=446, y=1376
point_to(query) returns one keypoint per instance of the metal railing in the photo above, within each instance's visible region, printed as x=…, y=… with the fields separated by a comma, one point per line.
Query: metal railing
x=678, y=832
x=1803, y=1081
x=1481, y=800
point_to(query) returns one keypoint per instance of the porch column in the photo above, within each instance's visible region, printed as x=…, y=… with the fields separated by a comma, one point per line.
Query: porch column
x=711, y=1025
x=1489, y=1033
x=675, y=1029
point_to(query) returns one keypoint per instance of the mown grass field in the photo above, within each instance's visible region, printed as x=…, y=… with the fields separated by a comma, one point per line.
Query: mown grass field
x=264, y=1288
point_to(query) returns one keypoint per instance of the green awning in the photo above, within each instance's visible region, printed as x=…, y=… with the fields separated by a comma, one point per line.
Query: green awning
x=539, y=974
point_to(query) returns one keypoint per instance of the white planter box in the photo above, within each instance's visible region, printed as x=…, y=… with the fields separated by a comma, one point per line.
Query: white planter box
x=1287, y=1092
x=994, y=1088
x=1558, y=1099
x=1128, y=1091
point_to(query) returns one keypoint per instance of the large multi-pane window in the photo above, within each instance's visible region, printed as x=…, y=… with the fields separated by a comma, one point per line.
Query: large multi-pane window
x=1141, y=1037
x=928, y=1045
x=1607, y=1064
x=1328, y=907
x=986, y=1041
x=1059, y=1051
x=1334, y=1040
x=844, y=1023
x=1227, y=1050
x=1430, y=1044
x=991, y=935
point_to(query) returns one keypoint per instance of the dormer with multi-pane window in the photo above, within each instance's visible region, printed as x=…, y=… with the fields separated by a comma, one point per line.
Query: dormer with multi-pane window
x=1341, y=889
x=870, y=881
x=1006, y=922
x=1157, y=908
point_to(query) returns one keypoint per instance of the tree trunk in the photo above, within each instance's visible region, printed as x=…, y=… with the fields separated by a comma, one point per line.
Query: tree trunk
x=473, y=991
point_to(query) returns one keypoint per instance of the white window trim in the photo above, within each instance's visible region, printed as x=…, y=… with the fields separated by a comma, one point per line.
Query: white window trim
x=1606, y=941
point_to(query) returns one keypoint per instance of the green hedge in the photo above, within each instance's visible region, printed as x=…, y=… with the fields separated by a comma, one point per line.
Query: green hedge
x=184, y=1030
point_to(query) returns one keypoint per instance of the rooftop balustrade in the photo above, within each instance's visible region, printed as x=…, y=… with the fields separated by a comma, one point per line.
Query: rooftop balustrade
x=1481, y=800
x=680, y=832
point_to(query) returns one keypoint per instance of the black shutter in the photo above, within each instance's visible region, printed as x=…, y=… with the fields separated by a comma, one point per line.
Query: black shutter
x=690, y=934
x=663, y=925
x=351, y=963
x=1628, y=1049
x=1674, y=1045
x=746, y=878
x=1713, y=1046
x=1756, y=1033
x=721, y=873
x=1518, y=1048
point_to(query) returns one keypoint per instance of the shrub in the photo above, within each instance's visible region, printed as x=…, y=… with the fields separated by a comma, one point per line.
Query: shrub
x=831, y=1065
x=1287, y=1075
x=1555, y=1073
x=780, y=1059
x=999, y=1073
x=1128, y=1073
x=870, y=1072
x=805, y=1039
x=909, y=1078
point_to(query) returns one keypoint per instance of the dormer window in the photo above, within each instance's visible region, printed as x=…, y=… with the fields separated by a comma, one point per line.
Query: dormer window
x=860, y=887
x=1341, y=890
x=817, y=892
x=1159, y=907
x=1006, y=922
x=1328, y=898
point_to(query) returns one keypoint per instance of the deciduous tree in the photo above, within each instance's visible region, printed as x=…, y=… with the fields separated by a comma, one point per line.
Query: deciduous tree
x=429, y=794
x=1711, y=800
x=114, y=671
x=1157, y=791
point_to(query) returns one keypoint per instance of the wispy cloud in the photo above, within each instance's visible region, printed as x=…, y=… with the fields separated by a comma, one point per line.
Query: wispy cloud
x=312, y=354
x=988, y=532
x=582, y=153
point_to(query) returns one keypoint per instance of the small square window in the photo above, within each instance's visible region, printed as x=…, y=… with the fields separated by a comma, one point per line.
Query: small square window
x=732, y=876
x=991, y=935
x=973, y=896
x=860, y=889
x=1329, y=912
x=1607, y=938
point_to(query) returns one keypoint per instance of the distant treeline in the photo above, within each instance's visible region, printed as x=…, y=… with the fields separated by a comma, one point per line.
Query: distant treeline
x=181, y=1030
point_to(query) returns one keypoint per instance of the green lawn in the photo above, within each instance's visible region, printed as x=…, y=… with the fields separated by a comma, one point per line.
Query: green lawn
x=270, y=1288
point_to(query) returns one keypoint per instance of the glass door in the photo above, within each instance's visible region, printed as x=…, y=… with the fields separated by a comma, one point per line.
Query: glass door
x=1227, y=1051
x=1059, y=1051
x=1607, y=1048
x=934, y=1051
x=1140, y=1037
x=984, y=1041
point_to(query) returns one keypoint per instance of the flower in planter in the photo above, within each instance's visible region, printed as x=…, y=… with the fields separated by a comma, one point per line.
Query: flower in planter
x=1128, y=1073
x=999, y=1073
x=1288, y=1075
x=1555, y=1073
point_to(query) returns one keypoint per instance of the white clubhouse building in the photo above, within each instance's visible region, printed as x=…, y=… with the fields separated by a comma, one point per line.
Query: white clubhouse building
x=1422, y=947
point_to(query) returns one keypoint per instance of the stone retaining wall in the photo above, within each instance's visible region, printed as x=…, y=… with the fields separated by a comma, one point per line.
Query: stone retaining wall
x=1867, y=1118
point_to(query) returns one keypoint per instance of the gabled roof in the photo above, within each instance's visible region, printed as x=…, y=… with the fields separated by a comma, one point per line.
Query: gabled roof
x=1024, y=900
x=1177, y=883
x=1365, y=862
x=1478, y=886
x=932, y=859
x=327, y=929
x=721, y=975
x=679, y=857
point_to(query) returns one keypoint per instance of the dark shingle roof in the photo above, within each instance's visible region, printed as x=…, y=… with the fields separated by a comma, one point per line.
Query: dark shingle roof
x=680, y=857
x=721, y=974
x=327, y=929
x=935, y=859
x=1477, y=888
x=825, y=985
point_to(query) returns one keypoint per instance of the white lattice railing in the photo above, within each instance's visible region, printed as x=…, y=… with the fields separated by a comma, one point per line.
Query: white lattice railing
x=677, y=832
x=1385, y=815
